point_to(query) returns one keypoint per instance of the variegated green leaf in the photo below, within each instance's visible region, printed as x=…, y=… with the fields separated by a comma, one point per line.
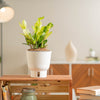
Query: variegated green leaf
x=23, y=25
x=47, y=35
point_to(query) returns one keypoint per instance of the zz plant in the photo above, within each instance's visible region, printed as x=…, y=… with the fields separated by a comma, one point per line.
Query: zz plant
x=38, y=38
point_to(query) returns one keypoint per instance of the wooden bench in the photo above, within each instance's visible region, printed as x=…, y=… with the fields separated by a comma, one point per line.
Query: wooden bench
x=46, y=88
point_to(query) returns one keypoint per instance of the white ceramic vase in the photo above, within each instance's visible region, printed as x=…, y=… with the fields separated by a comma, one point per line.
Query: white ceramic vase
x=38, y=62
x=71, y=52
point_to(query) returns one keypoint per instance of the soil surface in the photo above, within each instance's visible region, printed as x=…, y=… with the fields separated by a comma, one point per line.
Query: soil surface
x=39, y=49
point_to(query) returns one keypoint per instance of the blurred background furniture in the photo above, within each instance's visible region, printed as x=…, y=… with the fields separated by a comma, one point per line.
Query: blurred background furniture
x=83, y=73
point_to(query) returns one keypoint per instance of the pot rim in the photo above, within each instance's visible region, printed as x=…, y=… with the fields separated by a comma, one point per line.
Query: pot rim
x=39, y=51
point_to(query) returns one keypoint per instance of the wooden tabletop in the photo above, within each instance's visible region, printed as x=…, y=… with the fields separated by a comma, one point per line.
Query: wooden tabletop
x=28, y=78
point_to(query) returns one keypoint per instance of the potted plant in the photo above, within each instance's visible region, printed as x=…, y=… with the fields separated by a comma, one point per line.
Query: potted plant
x=38, y=56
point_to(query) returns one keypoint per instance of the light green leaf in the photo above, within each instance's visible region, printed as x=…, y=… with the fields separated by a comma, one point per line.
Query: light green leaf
x=47, y=35
x=40, y=18
x=23, y=25
x=38, y=25
x=26, y=31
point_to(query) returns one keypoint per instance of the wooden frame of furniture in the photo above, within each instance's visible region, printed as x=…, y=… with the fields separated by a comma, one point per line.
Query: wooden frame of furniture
x=87, y=73
x=70, y=64
x=83, y=73
x=45, y=87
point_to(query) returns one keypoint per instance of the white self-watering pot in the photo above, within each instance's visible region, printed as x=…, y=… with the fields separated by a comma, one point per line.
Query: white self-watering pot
x=38, y=62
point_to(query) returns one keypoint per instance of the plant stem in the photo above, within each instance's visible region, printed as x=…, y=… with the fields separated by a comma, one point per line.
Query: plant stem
x=42, y=44
x=30, y=46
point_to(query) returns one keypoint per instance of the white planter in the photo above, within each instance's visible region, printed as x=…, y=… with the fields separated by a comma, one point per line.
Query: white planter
x=38, y=62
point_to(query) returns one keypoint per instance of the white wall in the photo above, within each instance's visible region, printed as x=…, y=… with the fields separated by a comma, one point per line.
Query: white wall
x=76, y=20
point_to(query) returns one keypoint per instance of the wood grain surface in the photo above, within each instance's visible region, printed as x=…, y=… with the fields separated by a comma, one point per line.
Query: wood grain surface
x=28, y=78
x=80, y=75
x=95, y=75
x=59, y=69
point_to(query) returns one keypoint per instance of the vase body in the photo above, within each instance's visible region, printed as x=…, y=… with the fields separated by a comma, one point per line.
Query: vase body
x=38, y=62
x=71, y=52
x=28, y=94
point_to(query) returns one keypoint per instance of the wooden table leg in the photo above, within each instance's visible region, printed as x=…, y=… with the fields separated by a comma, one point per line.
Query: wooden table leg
x=70, y=90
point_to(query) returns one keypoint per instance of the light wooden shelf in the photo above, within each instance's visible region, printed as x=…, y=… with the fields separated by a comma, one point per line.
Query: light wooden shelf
x=28, y=78
x=50, y=84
